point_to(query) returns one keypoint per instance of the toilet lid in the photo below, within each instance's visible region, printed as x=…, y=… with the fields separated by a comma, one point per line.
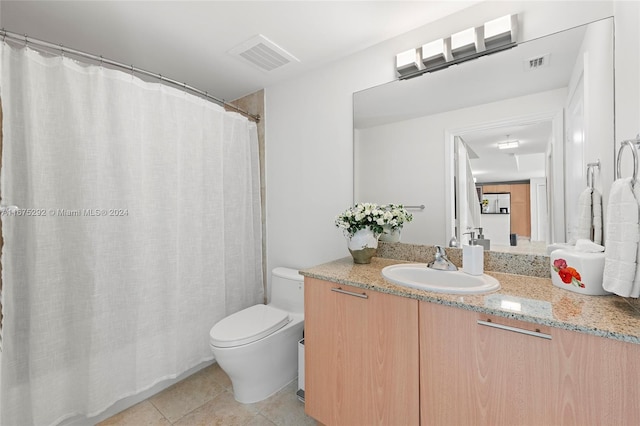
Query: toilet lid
x=247, y=326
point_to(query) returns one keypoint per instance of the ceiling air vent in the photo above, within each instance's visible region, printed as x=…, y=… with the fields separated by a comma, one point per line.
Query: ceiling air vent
x=263, y=53
x=537, y=62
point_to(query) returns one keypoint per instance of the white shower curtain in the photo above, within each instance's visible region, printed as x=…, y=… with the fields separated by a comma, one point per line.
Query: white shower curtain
x=143, y=230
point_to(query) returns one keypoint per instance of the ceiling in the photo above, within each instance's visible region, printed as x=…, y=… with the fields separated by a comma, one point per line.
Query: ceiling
x=189, y=41
x=503, y=165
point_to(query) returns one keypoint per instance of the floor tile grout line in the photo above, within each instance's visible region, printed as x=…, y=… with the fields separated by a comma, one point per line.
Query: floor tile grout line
x=223, y=390
x=150, y=399
x=157, y=409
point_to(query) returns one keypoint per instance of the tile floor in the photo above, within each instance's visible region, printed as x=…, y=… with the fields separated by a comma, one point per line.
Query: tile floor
x=206, y=398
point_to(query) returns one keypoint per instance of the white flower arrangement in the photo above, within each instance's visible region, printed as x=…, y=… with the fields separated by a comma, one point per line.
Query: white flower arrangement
x=370, y=215
x=399, y=216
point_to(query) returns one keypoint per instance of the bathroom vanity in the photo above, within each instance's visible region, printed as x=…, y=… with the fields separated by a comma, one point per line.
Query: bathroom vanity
x=531, y=353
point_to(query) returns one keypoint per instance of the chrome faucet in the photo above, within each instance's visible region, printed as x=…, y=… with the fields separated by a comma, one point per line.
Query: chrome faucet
x=441, y=263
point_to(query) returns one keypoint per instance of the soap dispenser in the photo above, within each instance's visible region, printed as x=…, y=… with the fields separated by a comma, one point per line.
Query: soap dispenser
x=472, y=257
x=482, y=241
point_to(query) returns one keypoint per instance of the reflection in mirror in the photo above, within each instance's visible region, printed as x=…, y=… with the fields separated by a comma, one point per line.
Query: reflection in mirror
x=433, y=140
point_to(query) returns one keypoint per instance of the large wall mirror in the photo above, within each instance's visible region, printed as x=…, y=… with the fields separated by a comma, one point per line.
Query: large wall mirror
x=433, y=141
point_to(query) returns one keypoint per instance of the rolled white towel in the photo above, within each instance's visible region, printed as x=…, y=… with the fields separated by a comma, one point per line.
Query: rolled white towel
x=583, y=224
x=623, y=234
x=588, y=246
x=635, y=287
x=596, y=199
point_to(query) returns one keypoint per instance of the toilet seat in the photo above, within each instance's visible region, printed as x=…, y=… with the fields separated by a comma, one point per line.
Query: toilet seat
x=247, y=326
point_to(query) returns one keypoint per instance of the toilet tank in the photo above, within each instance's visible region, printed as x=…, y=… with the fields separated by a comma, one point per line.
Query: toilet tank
x=287, y=290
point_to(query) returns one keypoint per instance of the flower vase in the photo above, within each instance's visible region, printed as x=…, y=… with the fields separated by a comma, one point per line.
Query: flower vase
x=363, y=245
x=390, y=235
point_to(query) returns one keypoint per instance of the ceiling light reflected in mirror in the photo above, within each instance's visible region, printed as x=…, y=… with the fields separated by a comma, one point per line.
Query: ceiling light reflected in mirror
x=509, y=144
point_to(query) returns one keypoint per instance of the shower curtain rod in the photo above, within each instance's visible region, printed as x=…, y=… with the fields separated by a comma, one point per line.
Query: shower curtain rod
x=62, y=49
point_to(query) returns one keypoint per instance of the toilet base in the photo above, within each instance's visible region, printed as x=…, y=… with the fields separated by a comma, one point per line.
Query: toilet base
x=260, y=369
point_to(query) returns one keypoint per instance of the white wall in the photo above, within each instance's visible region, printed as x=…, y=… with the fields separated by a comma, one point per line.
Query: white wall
x=309, y=156
x=395, y=164
x=538, y=197
x=598, y=53
x=592, y=77
x=627, y=80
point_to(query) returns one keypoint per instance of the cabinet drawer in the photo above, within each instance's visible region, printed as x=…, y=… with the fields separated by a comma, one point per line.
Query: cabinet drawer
x=495, y=365
x=514, y=326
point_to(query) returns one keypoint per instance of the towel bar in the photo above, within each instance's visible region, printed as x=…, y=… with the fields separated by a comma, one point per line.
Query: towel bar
x=633, y=144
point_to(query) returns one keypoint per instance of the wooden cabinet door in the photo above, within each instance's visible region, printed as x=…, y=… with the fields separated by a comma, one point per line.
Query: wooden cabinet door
x=472, y=374
x=520, y=205
x=489, y=189
x=520, y=209
x=503, y=188
x=598, y=382
x=361, y=356
x=496, y=189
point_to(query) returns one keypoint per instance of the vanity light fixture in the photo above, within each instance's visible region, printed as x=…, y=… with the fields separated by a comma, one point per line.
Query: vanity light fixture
x=503, y=30
x=491, y=37
x=408, y=62
x=437, y=53
x=464, y=43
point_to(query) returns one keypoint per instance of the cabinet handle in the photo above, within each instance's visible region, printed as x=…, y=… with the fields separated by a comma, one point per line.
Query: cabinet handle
x=515, y=329
x=350, y=293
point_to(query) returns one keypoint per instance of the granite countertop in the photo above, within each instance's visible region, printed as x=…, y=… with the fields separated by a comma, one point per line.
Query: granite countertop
x=521, y=297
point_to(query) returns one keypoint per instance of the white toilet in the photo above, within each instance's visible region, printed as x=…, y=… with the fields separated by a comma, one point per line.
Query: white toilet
x=258, y=346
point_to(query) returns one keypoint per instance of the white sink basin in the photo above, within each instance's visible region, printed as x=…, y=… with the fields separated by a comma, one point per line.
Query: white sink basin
x=417, y=275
